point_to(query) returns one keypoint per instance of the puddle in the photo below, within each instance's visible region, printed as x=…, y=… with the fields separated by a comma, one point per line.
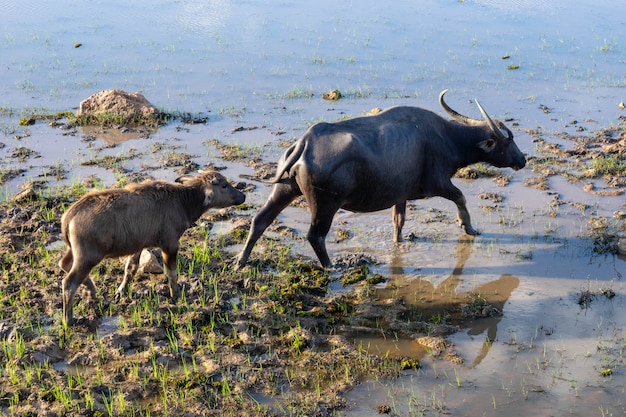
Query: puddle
x=108, y=326
x=544, y=352
x=389, y=347
x=222, y=228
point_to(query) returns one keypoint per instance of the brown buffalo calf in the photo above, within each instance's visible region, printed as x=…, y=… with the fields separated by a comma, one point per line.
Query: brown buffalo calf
x=120, y=222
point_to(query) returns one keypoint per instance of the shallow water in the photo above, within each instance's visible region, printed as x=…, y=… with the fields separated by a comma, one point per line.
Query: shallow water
x=266, y=65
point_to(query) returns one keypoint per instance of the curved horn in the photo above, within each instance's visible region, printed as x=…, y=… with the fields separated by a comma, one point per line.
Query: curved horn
x=456, y=116
x=491, y=124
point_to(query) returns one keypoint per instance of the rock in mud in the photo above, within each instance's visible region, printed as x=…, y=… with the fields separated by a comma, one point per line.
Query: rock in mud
x=149, y=264
x=436, y=344
x=117, y=105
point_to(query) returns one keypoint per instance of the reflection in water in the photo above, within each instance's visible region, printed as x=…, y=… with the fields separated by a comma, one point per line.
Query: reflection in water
x=496, y=293
x=114, y=135
x=430, y=300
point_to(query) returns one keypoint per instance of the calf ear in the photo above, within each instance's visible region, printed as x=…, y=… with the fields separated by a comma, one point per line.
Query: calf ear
x=184, y=179
x=487, y=145
x=208, y=198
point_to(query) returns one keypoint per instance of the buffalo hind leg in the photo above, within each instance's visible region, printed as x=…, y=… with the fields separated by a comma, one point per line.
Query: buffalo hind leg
x=398, y=214
x=322, y=213
x=132, y=264
x=280, y=197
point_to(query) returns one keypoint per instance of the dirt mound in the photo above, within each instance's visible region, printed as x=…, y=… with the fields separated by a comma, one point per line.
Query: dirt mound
x=117, y=106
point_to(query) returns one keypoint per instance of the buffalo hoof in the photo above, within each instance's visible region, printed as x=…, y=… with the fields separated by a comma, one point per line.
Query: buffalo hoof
x=469, y=230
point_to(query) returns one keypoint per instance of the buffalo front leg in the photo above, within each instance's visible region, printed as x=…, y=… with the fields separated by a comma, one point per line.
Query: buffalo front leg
x=398, y=214
x=463, y=217
x=280, y=197
x=132, y=264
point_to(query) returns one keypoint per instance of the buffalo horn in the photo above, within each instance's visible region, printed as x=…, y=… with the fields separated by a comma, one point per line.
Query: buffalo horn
x=471, y=121
x=491, y=124
x=456, y=116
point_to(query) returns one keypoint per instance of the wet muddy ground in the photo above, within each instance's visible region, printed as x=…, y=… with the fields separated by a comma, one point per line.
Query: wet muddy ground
x=527, y=311
x=526, y=318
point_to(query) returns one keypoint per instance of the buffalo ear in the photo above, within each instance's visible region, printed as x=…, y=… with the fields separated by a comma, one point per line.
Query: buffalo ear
x=183, y=179
x=487, y=145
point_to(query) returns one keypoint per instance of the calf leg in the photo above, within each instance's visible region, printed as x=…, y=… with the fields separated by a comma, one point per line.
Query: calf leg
x=280, y=197
x=66, y=264
x=171, y=271
x=88, y=282
x=398, y=215
x=77, y=275
x=132, y=264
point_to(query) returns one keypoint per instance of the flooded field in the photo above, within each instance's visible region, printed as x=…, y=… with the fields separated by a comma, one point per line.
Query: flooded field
x=525, y=319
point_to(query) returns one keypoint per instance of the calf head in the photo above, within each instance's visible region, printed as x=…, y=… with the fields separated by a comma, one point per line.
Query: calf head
x=217, y=190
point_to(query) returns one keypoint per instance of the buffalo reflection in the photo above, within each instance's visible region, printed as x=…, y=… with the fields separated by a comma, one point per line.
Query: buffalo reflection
x=429, y=300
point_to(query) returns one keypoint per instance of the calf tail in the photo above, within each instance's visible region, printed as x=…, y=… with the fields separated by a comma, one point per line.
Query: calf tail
x=67, y=261
x=289, y=159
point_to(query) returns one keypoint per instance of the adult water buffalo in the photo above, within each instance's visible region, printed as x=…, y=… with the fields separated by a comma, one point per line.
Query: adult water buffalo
x=123, y=221
x=371, y=163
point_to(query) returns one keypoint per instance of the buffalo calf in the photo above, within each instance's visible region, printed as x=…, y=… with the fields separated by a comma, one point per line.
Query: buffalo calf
x=120, y=222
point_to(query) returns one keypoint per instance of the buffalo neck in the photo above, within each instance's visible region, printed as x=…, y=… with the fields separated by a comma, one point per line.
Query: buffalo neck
x=466, y=140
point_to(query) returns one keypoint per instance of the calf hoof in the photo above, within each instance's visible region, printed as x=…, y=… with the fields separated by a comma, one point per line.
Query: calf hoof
x=174, y=292
x=120, y=293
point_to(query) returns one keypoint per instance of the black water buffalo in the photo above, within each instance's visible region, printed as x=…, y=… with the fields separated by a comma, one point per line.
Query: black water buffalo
x=123, y=221
x=371, y=163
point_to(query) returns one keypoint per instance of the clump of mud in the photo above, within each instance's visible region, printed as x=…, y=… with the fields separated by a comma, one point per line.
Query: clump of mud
x=117, y=107
x=597, y=160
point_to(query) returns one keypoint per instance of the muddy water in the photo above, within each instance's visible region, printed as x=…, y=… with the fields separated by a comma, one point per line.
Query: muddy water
x=266, y=65
x=545, y=352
